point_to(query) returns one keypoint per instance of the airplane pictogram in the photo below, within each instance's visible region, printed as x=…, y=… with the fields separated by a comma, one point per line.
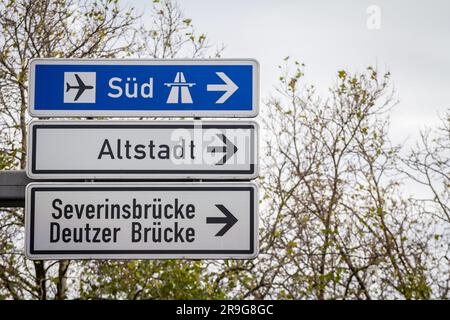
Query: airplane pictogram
x=81, y=87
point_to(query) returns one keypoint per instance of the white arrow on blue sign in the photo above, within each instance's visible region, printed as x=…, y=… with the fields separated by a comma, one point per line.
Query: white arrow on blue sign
x=132, y=88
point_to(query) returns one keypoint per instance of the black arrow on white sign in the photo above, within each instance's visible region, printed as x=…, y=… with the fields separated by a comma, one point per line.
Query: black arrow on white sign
x=229, y=220
x=229, y=149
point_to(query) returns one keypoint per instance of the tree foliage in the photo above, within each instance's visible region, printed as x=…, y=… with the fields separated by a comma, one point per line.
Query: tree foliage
x=168, y=279
x=336, y=222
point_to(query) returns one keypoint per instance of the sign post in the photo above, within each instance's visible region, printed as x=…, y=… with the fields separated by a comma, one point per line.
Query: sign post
x=150, y=219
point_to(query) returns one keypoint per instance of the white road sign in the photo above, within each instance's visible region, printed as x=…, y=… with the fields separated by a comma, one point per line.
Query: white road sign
x=143, y=149
x=141, y=221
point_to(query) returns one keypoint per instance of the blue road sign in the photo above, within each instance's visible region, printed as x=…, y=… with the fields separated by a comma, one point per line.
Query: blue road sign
x=128, y=88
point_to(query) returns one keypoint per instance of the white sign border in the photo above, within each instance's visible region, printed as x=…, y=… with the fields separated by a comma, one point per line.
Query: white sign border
x=143, y=176
x=116, y=256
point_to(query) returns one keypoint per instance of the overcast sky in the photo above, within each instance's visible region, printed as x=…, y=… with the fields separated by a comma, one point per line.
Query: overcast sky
x=412, y=42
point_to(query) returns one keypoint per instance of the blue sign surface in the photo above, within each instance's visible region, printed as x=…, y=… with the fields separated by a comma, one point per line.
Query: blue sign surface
x=198, y=88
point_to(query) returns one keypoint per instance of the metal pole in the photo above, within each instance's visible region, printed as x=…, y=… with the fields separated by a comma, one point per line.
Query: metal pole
x=12, y=188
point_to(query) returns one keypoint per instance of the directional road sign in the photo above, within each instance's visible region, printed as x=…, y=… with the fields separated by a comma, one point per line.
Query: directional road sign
x=141, y=221
x=130, y=88
x=143, y=149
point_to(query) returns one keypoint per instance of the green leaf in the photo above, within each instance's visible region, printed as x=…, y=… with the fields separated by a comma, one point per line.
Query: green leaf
x=342, y=74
